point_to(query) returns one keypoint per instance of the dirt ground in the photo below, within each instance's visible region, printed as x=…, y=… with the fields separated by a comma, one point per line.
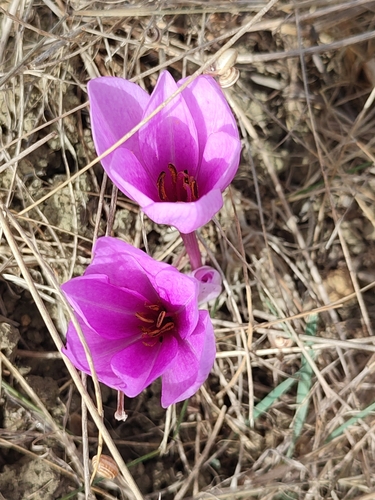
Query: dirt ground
x=287, y=412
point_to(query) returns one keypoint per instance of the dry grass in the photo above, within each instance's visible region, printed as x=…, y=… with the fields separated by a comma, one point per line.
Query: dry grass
x=287, y=411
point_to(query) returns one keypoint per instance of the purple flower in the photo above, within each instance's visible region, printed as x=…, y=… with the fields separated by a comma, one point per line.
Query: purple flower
x=141, y=321
x=178, y=164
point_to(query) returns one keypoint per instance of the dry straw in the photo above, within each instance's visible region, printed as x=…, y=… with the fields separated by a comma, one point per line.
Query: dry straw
x=288, y=408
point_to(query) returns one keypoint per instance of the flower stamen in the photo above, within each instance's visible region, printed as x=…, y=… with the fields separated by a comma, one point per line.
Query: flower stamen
x=160, y=319
x=153, y=307
x=143, y=317
x=148, y=332
x=173, y=172
x=158, y=322
x=182, y=186
x=160, y=183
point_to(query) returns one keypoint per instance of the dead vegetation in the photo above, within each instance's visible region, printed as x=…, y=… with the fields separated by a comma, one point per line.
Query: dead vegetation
x=287, y=411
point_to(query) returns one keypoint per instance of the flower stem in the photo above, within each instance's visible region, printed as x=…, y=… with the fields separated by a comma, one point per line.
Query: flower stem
x=192, y=248
x=120, y=412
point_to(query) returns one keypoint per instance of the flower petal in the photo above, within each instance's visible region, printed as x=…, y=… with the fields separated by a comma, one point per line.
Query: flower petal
x=186, y=217
x=220, y=162
x=210, y=284
x=180, y=293
x=116, y=106
x=101, y=350
x=131, y=177
x=171, y=136
x=138, y=365
x=125, y=266
x=192, y=364
x=107, y=309
x=209, y=107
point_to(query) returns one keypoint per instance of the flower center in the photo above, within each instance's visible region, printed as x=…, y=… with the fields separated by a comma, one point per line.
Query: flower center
x=179, y=187
x=156, y=321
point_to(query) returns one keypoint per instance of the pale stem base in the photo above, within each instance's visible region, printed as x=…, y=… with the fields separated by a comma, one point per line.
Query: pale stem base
x=120, y=412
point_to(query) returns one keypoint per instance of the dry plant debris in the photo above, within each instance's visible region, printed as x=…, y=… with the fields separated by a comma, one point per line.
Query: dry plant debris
x=287, y=411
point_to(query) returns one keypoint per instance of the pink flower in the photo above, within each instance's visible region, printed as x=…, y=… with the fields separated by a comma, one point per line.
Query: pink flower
x=178, y=164
x=209, y=283
x=141, y=321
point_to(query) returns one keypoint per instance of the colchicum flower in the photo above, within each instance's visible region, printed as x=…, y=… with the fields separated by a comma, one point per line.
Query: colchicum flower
x=179, y=163
x=141, y=321
x=209, y=283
